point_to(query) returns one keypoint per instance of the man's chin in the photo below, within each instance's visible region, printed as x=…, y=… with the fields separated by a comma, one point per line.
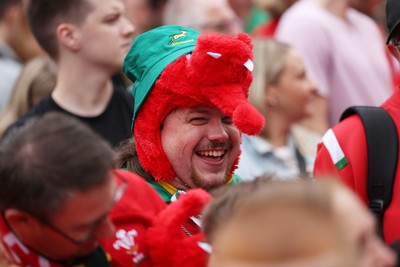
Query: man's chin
x=211, y=181
x=86, y=250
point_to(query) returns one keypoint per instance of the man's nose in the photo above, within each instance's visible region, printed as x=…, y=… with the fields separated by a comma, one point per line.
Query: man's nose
x=217, y=131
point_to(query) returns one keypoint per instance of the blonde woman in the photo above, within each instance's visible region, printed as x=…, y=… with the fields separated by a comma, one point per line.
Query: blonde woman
x=36, y=81
x=283, y=93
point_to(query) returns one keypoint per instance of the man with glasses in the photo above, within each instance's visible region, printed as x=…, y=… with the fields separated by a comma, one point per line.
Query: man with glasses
x=203, y=16
x=60, y=199
x=346, y=142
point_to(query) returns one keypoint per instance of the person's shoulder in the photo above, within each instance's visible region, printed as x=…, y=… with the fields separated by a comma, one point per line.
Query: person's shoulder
x=302, y=17
x=350, y=127
x=307, y=10
x=345, y=139
x=360, y=18
x=45, y=105
x=139, y=189
x=132, y=178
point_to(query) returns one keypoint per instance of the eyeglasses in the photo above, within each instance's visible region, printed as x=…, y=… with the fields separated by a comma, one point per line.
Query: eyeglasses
x=223, y=26
x=78, y=241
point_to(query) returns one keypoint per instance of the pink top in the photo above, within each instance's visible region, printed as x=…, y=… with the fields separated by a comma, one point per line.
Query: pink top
x=346, y=58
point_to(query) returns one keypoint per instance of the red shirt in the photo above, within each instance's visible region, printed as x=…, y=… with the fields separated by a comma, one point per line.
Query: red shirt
x=351, y=139
x=132, y=215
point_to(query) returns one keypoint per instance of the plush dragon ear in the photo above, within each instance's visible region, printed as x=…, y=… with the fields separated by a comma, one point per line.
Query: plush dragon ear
x=246, y=39
x=168, y=244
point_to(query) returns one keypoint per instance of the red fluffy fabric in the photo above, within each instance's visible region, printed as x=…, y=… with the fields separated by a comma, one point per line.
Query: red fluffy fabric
x=168, y=244
x=214, y=75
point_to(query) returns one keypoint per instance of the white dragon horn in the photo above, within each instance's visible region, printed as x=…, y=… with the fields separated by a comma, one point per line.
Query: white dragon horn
x=214, y=55
x=249, y=65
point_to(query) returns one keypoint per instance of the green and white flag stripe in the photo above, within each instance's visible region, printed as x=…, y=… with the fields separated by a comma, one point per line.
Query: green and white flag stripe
x=334, y=149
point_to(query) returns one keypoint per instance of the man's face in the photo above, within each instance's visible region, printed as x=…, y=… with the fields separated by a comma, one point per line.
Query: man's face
x=106, y=35
x=140, y=14
x=201, y=145
x=83, y=217
x=219, y=17
x=360, y=226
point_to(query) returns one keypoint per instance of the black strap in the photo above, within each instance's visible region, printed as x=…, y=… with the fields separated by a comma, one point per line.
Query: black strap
x=301, y=162
x=382, y=150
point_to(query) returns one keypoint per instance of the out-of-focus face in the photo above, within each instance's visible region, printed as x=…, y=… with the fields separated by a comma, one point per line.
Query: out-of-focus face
x=360, y=226
x=201, y=144
x=106, y=35
x=242, y=8
x=218, y=17
x=83, y=218
x=140, y=14
x=294, y=91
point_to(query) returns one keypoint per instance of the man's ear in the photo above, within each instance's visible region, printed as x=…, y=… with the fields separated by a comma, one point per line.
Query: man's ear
x=270, y=95
x=393, y=51
x=20, y=220
x=68, y=36
x=12, y=14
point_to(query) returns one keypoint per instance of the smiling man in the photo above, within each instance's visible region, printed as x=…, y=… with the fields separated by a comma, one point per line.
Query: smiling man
x=190, y=108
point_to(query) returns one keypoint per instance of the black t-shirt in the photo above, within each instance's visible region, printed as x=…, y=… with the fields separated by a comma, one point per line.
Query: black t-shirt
x=114, y=124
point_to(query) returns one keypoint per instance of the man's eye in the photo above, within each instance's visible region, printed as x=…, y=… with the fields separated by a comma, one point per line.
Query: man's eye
x=198, y=120
x=227, y=120
x=111, y=19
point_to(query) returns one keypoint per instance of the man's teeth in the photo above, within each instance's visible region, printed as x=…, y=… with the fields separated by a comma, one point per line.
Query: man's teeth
x=212, y=153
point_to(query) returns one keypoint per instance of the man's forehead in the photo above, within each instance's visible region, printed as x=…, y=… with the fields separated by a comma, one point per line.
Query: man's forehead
x=201, y=109
x=89, y=204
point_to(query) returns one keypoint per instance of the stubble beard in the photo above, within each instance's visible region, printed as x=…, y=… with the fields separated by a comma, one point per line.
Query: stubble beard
x=209, y=185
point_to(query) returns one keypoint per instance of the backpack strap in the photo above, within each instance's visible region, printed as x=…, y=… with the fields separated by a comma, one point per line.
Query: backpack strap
x=382, y=149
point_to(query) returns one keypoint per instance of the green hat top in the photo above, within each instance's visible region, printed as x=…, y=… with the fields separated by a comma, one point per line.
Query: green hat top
x=150, y=54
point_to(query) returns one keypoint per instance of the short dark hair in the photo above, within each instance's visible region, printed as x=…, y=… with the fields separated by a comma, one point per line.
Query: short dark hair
x=155, y=4
x=6, y=4
x=44, y=16
x=127, y=157
x=45, y=160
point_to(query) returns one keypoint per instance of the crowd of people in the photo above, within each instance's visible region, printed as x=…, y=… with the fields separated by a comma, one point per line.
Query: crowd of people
x=195, y=133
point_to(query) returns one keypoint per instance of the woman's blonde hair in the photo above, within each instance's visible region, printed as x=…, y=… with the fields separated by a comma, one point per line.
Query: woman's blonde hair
x=36, y=80
x=269, y=63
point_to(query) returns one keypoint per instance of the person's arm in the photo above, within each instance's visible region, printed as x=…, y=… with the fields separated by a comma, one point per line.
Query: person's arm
x=343, y=154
